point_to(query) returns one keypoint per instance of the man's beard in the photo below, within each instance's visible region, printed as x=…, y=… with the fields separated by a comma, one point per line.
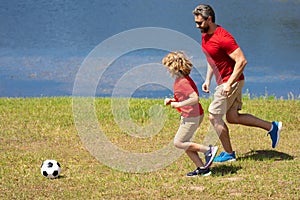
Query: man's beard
x=205, y=29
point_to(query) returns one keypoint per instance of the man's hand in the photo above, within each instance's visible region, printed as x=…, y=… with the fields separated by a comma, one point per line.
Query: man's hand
x=226, y=90
x=205, y=87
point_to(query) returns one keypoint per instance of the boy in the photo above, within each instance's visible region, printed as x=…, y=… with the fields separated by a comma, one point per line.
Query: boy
x=186, y=101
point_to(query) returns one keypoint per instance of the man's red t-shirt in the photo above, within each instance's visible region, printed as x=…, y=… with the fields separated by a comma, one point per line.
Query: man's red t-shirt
x=217, y=47
x=183, y=87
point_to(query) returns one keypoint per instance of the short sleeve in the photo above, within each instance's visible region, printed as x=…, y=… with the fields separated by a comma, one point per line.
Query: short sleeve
x=185, y=88
x=228, y=43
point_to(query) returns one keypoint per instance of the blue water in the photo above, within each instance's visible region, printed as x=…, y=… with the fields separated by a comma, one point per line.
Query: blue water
x=43, y=43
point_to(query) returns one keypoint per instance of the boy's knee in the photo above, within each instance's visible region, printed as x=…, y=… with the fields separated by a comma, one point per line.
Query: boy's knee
x=178, y=144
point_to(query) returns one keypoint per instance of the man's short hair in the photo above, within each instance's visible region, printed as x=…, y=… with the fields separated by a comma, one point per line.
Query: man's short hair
x=205, y=11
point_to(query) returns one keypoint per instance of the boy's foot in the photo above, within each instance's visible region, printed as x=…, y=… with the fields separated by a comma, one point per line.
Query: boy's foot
x=210, y=155
x=199, y=172
x=225, y=157
x=275, y=133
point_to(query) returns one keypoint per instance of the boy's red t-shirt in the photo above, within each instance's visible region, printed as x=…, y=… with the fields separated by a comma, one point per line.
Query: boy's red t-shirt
x=217, y=47
x=183, y=87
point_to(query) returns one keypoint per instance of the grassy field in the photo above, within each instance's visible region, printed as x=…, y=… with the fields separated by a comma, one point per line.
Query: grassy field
x=36, y=129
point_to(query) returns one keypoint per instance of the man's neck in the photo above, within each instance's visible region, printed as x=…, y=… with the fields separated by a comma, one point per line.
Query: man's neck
x=212, y=29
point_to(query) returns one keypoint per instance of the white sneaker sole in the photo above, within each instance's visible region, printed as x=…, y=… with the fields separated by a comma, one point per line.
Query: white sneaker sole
x=278, y=133
x=231, y=160
x=207, y=174
x=215, y=150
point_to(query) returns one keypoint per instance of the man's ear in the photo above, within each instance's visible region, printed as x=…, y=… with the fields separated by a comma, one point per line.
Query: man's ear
x=209, y=19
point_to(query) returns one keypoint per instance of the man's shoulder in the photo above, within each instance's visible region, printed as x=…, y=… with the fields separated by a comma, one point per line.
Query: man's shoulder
x=224, y=35
x=222, y=30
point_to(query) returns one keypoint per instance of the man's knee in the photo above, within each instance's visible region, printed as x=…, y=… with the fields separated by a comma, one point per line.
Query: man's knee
x=232, y=118
x=215, y=118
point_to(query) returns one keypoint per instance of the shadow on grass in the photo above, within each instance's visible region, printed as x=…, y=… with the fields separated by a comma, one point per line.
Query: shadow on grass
x=61, y=177
x=261, y=155
x=222, y=170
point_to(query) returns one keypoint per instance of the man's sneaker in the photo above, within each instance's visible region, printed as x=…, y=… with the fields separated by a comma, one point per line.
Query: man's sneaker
x=275, y=133
x=225, y=157
x=199, y=172
x=210, y=155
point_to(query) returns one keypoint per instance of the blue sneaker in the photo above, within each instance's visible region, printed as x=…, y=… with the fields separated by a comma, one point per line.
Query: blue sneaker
x=225, y=157
x=199, y=172
x=275, y=133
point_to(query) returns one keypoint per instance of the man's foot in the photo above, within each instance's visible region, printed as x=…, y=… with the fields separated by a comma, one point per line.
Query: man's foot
x=275, y=133
x=210, y=155
x=199, y=172
x=225, y=157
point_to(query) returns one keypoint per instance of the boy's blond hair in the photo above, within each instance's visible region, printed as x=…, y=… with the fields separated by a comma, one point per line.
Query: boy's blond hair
x=177, y=63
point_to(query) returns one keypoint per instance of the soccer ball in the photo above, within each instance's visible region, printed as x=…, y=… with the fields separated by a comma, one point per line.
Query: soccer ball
x=50, y=169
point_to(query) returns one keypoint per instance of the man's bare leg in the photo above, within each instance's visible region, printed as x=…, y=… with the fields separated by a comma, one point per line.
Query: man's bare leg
x=222, y=130
x=234, y=117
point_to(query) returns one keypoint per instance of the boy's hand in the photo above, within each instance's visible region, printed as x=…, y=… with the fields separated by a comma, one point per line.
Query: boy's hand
x=175, y=104
x=168, y=101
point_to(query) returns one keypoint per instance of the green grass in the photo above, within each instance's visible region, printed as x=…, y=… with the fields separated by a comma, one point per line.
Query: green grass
x=36, y=129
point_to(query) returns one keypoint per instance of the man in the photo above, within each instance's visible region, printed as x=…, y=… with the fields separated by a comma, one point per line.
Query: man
x=226, y=62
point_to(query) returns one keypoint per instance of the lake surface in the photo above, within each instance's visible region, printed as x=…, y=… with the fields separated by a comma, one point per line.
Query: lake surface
x=43, y=44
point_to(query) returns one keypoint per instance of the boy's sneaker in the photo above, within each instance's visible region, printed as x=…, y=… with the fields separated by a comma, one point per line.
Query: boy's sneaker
x=210, y=155
x=275, y=133
x=199, y=172
x=225, y=157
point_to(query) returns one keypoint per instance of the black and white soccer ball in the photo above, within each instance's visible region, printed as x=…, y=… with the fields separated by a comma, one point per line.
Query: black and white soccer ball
x=50, y=169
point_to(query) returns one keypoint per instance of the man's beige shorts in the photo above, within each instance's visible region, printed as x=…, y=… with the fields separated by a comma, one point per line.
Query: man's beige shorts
x=221, y=104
